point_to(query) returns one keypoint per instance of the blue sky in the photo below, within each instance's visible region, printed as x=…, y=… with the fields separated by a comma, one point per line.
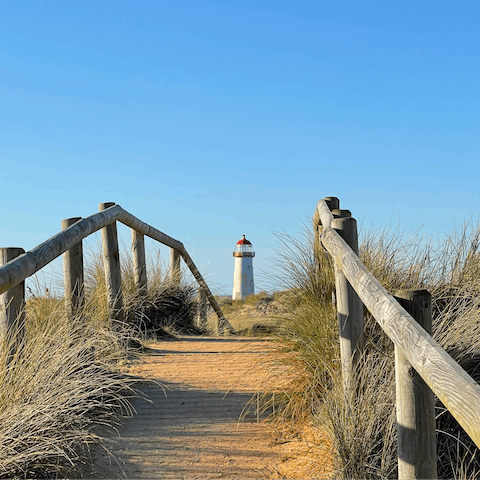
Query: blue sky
x=213, y=119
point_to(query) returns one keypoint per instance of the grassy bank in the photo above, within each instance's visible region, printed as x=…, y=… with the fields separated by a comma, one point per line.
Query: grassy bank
x=362, y=429
x=66, y=377
x=63, y=380
x=255, y=315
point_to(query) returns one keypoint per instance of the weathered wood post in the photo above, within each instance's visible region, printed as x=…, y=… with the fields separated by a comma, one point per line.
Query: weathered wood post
x=174, y=272
x=111, y=262
x=417, y=457
x=201, y=308
x=459, y=392
x=321, y=256
x=349, y=305
x=73, y=275
x=139, y=262
x=12, y=303
x=341, y=213
x=333, y=203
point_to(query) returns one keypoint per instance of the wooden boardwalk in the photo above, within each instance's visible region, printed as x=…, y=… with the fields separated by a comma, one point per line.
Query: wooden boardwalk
x=196, y=425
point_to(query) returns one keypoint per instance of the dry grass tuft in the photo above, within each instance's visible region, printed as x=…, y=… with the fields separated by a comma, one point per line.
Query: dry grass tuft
x=65, y=379
x=362, y=428
x=55, y=389
x=169, y=308
x=362, y=424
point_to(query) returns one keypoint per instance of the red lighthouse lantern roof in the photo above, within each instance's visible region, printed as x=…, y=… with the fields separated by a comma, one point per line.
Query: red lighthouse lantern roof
x=243, y=241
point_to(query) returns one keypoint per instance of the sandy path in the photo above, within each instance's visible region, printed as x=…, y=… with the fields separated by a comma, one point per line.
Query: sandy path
x=196, y=427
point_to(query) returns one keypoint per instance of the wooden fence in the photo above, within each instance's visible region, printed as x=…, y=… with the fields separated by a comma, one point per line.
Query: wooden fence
x=406, y=319
x=17, y=264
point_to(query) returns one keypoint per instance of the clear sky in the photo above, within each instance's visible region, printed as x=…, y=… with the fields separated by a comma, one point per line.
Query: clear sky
x=213, y=119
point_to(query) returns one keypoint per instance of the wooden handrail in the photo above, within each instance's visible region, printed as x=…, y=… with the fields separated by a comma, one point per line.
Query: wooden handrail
x=323, y=215
x=459, y=392
x=34, y=260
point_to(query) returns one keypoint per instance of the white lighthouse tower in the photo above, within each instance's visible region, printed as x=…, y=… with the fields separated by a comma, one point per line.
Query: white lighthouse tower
x=243, y=273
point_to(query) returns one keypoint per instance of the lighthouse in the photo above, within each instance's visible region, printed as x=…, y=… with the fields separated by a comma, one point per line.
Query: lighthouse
x=243, y=273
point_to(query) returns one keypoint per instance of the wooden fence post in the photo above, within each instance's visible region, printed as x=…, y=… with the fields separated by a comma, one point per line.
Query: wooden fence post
x=349, y=306
x=201, y=308
x=12, y=302
x=417, y=456
x=73, y=276
x=320, y=255
x=174, y=272
x=111, y=262
x=341, y=213
x=333, y=203
x=139, y=262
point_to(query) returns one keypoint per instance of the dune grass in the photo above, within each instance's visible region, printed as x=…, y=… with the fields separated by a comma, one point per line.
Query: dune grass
x=62, y=381
x=169, y=307
x=66, y=378
x=256, y=315
x=362, y=428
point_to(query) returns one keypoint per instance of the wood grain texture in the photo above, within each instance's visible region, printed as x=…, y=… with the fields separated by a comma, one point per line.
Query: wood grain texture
x=139, y=262
x=145, y=229
x=331, y=202
x=111, y=264
x=453, y=386
x=12, y=302
x=201, y=309
x=174, y=272
x=324, y=214
x=73, y=274
x=341, y=213
x=349, y=306
x=415, y=404
x=32, y=261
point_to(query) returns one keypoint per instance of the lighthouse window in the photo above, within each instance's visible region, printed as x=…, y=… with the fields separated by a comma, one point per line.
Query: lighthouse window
x=243, y=248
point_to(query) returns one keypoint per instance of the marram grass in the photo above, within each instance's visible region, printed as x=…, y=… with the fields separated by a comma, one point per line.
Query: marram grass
x=362, y=428
x=55, y=389
x=66, y=378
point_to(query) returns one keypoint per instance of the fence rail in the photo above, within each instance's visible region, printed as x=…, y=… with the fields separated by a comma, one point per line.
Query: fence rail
x=16, y=270
x=453, y=386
